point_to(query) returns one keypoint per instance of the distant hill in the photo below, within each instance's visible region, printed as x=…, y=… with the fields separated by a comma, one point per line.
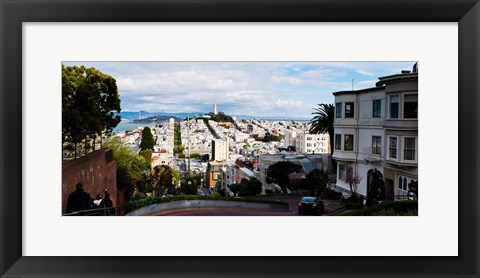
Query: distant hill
x=131, y=115
x=156, y=119
x=134, y=115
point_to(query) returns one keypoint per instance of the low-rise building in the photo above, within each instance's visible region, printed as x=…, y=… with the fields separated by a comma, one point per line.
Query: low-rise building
x=376, y=135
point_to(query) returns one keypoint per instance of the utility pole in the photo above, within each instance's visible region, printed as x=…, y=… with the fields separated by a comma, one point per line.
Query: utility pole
x=188, y=140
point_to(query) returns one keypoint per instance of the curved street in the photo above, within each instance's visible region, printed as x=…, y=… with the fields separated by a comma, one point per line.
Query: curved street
x=330, y=206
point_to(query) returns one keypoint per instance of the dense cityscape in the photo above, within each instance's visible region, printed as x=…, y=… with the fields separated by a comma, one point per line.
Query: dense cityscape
x=212, y=163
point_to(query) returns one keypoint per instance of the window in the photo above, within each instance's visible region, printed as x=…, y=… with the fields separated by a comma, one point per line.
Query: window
x=409, y=149
x=394, y=106
x=338, y=110
x=338, y=141
x=377, y=108
x=402, y=187
x=393, y=147
x=343, y=170
x=349, y=109
x=376, y=145
x=342, y=174
x=410, y=106
x=348, y=142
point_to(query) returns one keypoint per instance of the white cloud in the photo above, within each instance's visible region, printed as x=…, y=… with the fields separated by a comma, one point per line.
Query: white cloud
x=365, y=72
x=241, y=88
x=287, y=80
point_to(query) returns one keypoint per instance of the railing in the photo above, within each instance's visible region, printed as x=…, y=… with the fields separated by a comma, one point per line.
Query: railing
x=403, y=197
x=113, y=211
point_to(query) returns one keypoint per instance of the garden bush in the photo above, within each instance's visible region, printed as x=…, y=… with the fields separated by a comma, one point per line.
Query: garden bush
x=399, y=208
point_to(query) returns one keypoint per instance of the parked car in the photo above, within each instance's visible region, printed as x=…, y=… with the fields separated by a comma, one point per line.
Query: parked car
x=310, y=205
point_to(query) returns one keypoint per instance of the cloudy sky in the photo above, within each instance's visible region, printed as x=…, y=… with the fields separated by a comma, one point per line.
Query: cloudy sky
x=272, y=89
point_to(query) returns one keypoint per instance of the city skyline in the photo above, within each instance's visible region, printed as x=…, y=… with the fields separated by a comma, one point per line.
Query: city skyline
x=256, y=89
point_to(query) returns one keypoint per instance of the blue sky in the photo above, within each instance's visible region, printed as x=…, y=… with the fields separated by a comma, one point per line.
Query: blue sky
x=259, y=89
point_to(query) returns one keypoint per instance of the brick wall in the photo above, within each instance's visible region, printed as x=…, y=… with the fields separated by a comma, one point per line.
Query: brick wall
x=96, y=171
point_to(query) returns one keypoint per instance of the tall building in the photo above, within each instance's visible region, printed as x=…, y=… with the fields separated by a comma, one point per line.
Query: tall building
x=215, y=109
x=220, y=149
x=376, y=135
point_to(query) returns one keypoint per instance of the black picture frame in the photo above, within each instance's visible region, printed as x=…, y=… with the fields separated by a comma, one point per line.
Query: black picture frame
x=14, y=12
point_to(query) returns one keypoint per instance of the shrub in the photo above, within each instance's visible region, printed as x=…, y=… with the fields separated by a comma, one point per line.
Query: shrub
x=353, y=203
x=399, y=207
x=392, y=212
x=222, y=192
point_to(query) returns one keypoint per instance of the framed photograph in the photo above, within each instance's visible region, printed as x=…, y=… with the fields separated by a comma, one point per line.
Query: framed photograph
x=41, y=38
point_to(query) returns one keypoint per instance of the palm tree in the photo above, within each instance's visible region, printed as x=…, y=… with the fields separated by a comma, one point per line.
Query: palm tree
x=323, y=121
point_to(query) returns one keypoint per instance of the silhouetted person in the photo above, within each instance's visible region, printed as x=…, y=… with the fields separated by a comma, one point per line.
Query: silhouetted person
x=106, y=203
x=78, y=200
x=380, y=195
x=97, y=202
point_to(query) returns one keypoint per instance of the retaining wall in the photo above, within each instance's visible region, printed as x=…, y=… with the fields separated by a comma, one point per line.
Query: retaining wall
x=96, y=171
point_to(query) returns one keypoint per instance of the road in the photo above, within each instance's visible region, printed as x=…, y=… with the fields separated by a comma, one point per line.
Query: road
x=291, y=200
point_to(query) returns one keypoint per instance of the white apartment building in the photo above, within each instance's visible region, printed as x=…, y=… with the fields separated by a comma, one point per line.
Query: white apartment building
x=307, y=143
x=220, y=149
x=376, y=134
x=312, y=143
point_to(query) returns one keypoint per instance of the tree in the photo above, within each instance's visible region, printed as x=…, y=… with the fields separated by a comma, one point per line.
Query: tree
x=279, y=172
x=323, y=122
x=177, y=135
x=147, y=142
x=353, y=179
x=316, y=181
x=163, y=178
x=250, y=187
x=189, y=186
x=90, y=104
x=147, y=154
x=178, y=149
x=235, y=188
x=130, y=166
x=220, y=117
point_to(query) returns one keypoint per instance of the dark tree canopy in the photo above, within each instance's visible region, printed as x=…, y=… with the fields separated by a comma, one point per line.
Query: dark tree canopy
x=189, y=186
x=251, y=187
x=147, y=142
x=316, y=180
x=280, y=170
x=90, y=103
x=220, y=117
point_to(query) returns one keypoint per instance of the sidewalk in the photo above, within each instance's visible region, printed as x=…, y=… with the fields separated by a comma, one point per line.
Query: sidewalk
x=333, y=207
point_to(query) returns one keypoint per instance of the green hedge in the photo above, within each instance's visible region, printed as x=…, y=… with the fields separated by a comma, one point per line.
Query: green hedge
x=399, y=207
x=134, y=205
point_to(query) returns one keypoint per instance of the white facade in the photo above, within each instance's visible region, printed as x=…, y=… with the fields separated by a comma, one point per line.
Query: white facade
x=220, y=149
x=290, y=138
x=311, y=143
x=161, y=158
x=376, y=133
